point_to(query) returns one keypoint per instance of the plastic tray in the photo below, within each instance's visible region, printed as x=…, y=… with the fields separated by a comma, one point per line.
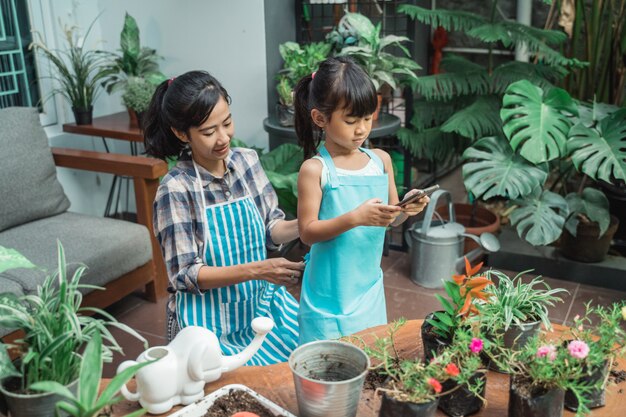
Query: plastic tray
x=200, y=407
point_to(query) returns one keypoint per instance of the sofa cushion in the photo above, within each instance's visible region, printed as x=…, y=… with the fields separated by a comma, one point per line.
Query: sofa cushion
x=28, y=181
x=109, y=248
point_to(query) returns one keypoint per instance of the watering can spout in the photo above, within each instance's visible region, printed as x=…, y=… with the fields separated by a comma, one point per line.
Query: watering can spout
x=487, y=242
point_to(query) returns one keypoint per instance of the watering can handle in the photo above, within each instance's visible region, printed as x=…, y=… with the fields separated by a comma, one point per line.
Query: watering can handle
x=430, y=210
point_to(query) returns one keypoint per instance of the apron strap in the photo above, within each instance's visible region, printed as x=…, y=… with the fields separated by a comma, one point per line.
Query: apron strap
x=332, y=172
x=205, y=220
x=374, y=157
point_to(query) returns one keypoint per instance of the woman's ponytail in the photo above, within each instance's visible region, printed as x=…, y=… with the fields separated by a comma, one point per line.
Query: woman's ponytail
x=309, y=134
x=159, y=140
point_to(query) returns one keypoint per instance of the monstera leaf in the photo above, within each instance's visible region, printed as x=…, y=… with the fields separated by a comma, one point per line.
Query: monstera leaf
x=497, y=171
x=600, y=151
x=593, y=204
x=540, y=217
x=535, y=122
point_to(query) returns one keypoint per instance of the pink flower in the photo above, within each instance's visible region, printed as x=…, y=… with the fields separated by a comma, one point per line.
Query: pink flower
x=476, y=345
x=436, y=386
x=548, y=351
x=578, y=349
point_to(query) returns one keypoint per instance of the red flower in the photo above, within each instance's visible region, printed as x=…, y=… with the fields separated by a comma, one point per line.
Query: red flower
x=452, y=369
x=436, y=386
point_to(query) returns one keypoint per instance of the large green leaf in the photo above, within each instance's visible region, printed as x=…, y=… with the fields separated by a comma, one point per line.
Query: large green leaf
x=495, y=170
x=593, y=204
x=452, y=84
x=10, y=259
x=129, y=38
x=448, y=19
x=477, y=120
x=431, y=144
x=284, y=159
x=590, y=113
x=6, y=365
x=540, y=217
x=600, y=152
x=510, y=72
x=538, y=124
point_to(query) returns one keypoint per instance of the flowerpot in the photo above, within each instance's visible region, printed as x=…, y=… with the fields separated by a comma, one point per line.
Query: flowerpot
x=476, y=219
x=379, y=104
x=516, y=338
x=83, y=116
x=616, y=194
x=596, y=398
x=328, y=376
x=132, y=118
x=524, y=403
x=461, y=401
x=588, y=245
x=29, y=405
x=390, y=407
x=431, y=341
x=285, y=114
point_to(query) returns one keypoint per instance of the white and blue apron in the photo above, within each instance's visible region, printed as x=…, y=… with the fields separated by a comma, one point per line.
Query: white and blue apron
x=342, y=286
x=234, y=233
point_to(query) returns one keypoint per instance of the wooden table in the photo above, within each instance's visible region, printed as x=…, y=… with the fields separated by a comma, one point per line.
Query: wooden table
x=114, y=126
x=275, y=382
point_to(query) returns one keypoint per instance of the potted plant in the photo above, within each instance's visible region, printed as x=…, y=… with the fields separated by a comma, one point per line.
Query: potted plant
x=298, y=62
x=515, y=310
x=86, y=402
x=54, y=332
x=549, y=141
x=540, y=373
x=137, y=96
x=459, y=308
x=78, y=72
x=357, y=37
x=600, y=329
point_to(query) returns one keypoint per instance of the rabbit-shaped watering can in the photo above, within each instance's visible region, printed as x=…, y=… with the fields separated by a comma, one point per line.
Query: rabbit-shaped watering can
x=437, y=247
x=182, y=368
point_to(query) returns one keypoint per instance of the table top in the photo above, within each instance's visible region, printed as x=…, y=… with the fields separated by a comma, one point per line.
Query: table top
x=115, y=126
x=275, y=382
x=386, y=125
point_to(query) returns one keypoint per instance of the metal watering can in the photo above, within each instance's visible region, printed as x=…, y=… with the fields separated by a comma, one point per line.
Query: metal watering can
x=436, y=248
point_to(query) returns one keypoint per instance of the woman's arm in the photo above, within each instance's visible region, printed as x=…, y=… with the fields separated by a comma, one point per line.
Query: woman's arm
x=278, y=271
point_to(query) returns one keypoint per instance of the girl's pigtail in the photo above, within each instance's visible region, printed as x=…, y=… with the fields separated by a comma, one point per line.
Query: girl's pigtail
x=159, y=140
x=308, y=134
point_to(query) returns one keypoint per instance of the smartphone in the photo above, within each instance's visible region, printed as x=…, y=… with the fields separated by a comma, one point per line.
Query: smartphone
x=419, y=194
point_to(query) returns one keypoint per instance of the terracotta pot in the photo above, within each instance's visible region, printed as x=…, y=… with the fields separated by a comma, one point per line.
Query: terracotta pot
x=588, y=246
x=133, y=122
x=380, y=102
x=544, y=404
x=391, y=407
x=431, y=341
x=484, y=220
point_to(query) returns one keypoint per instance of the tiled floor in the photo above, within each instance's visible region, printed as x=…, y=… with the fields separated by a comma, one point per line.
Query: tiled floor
x=404, y=298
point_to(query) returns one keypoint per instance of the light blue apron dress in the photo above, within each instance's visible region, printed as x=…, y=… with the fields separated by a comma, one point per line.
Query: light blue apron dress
x=234, y=233
x=342, y=287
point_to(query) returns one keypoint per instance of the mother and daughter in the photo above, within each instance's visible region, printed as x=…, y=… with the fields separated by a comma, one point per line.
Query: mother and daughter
x=216, y=214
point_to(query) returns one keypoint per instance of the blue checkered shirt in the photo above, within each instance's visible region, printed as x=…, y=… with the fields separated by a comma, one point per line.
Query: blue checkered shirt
x=178, y=212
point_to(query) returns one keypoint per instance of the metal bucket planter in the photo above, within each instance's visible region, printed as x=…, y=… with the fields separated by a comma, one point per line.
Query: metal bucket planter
x=431, y=341
x=461, y=402
x=597, y=397
x=391, y=407
x=545, y=404
x=328, y=376
x=29, y=405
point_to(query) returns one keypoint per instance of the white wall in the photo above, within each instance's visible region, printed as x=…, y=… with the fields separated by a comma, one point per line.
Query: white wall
x=226, y=38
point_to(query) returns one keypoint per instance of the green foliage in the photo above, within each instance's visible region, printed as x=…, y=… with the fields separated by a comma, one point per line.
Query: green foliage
x=87, y=403
x=55, y=328
x=514, y=302
x=132, y=61
x=370, y=52
x=540, y=216
x=77, y=71
x=591, y=204
x=477, y=120
x=138, y=94
x=11, y=259
x=298, y=62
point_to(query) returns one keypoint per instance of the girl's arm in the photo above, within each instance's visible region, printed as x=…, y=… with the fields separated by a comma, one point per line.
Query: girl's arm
x=313, y=230
x=285, y=231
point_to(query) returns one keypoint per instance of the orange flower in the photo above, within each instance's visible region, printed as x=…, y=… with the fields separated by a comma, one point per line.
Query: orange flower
x=436, y=386
x=452, y=369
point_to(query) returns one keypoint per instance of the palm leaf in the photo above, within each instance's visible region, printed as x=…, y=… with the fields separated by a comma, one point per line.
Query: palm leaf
x=457, y=63
x=429, y=113
x=449, y=19
x=540, y=217
x=448, y=85
x=495, y=170
x=431, y=144
x=535, y=123
x=600, y=152
x=477, y=120
x=510, y=72
x=593, y=204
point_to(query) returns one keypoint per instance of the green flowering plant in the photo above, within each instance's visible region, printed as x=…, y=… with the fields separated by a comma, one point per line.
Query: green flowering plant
x=138, y=93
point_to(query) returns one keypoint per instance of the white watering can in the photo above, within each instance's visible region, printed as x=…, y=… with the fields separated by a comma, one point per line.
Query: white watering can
x=184, y=366
x=437, y=249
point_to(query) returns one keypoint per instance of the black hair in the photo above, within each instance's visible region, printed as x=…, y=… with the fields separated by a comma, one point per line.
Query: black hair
x=339, y=83
x=180, y=103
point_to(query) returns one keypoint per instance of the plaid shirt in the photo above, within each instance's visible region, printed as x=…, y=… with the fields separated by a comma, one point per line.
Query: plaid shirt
x=178, y=212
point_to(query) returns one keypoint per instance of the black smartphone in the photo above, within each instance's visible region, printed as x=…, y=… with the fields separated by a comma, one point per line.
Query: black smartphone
x=419, y=194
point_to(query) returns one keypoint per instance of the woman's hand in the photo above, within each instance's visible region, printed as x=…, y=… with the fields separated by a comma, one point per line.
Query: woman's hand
x=415, y=208
x=279, y=271
x=374, y=213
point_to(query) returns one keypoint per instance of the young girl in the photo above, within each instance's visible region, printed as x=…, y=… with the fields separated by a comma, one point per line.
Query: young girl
x=346, y=199
x=214, y=214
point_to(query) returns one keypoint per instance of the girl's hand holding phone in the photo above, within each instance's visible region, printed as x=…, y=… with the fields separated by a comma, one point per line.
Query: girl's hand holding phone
x=374, y=213
x=416, y=207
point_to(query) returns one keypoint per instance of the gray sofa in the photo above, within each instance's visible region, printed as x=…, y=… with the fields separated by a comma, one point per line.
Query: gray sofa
x=121, y=256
